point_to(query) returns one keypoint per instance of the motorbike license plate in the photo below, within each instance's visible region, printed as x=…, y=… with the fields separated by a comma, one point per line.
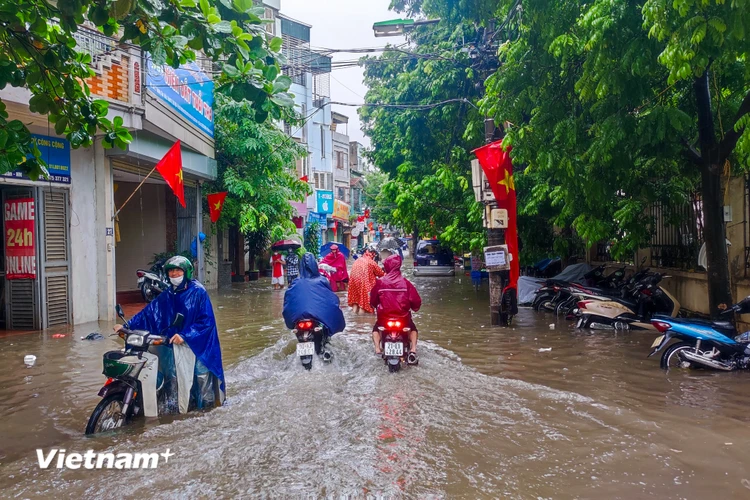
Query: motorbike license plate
x=394, y=349
x=433, y=263
x=657, y=342
x=305, y=349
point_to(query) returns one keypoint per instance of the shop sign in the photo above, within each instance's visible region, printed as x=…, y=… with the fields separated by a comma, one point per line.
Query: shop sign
x=56, y=153
x=340, y=210
x=316, y=217
x=187, y=89
x=325, y=202
x=20, y=247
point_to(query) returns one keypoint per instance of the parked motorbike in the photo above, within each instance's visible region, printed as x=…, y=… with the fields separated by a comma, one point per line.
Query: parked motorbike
x=153, y=282
x=568, y=306
x=312, y=339
x=553, y=292
x=703, y=343
x=134, y=381
x=395, y=344
x=632, y=312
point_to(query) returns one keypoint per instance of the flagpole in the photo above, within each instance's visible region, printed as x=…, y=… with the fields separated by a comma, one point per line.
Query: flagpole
x=117, y=212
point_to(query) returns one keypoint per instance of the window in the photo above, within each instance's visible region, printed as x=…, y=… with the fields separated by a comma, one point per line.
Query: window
x=323, y=181
x=287, y=128
x=339, y=159
x=322, y=141
x=342, y=194
x=303, y=167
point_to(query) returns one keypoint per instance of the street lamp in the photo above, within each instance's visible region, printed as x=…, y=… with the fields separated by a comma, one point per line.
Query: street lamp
x=398, y=27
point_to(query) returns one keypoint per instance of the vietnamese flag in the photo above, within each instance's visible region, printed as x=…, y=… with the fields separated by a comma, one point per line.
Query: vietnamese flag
x=170, y=168
x=216, y=205
x=304, y=178
x=498, y=168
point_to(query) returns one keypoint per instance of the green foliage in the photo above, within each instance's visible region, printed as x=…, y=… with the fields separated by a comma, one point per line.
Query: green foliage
x=312, y=238
x=38, y=51
x=256, y=166
x=426, y=152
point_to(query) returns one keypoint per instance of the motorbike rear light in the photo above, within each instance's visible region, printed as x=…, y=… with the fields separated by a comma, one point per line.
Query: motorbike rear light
x=556, y=288
x=305, y=325
x=416, y=263
x=140, y=274
x=661, y=326
x=582, y=304
x=394, y=324
x=109, y=381
x=646, y=292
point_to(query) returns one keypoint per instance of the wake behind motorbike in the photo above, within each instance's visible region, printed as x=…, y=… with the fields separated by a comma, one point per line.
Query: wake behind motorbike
x=395, y=344
x=702, y=343
x=312, y=339
x=133, y=380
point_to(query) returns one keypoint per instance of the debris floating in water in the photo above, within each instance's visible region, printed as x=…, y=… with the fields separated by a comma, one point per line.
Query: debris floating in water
x=58, y=336
x=29, y=360
x=551, y=326
x=93, y=336
x=545, y=349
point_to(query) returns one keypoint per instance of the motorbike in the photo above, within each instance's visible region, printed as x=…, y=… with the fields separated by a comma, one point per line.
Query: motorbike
x=312, y=339
x=632, y=312
x=153, y=282
x=568, y=306
x=556, y=292
x=134, y=381
x=703, y=343
x=395, y=344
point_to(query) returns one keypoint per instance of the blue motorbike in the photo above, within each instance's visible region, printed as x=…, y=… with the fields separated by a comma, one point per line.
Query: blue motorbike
x=703, y=343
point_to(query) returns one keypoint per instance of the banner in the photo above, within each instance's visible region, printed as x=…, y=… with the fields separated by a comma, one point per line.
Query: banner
x=20, y=247
x=187, y=89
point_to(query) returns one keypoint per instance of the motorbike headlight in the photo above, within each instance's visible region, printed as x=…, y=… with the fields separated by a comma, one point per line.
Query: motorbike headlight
x=135, y=340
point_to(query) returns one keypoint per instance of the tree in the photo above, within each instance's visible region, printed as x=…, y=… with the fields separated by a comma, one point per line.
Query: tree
x=425, y=150
x=38, y=51
x=615, y=105
x=256, y=166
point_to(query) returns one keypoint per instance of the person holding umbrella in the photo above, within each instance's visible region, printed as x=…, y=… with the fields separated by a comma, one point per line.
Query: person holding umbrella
x=277, y=262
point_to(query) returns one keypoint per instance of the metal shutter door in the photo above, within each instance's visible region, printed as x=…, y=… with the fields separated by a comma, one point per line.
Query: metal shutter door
x=56, y=258
x=21, y=301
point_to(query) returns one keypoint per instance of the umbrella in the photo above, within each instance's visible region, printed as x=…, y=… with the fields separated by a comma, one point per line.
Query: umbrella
x=286, y=245
x=326, y=249
x=390, y=243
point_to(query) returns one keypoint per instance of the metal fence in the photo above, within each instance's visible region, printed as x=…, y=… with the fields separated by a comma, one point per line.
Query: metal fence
x=677, y=233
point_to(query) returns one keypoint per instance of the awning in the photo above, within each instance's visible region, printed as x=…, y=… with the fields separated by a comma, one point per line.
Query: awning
x=301, y=208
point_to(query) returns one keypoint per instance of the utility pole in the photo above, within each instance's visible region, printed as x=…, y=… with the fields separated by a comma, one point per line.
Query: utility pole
x=495, y=237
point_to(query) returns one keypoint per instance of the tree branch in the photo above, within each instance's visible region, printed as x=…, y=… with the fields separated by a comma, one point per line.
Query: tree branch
x=729, y=142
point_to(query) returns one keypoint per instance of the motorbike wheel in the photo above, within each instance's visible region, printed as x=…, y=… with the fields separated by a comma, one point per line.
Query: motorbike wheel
x=107, y=415
x=671, y=357
x=564, y=306
x=538, y=301
x=147, y=294
x=394, y=368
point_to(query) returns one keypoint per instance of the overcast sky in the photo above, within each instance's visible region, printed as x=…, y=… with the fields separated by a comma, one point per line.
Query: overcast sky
x=344, y=24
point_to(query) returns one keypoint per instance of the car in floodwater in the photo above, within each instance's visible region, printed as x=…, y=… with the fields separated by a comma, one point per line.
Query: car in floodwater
x=431, y=259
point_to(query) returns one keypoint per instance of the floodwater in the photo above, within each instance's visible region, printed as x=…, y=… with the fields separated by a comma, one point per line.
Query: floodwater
x=489, y=412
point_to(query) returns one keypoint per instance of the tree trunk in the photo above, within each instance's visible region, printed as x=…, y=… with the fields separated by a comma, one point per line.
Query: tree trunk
x=714, y=231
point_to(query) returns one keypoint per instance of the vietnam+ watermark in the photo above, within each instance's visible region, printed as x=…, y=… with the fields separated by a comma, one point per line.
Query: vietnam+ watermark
x=60, y=458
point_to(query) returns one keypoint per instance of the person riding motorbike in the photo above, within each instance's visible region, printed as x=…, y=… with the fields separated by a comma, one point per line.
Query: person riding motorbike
x=311, y=297
x=395, y=297
x=193, y=359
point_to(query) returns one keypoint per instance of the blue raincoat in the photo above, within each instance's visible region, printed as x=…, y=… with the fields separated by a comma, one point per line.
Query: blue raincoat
x=199, y=328
x=311, y=297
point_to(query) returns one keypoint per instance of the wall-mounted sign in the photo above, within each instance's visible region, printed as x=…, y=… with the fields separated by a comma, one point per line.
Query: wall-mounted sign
x=316, y=217
x=56, y=153
x=187, y=89
x=325, y=202
x=497, y=258
x=340, y=210
x=20, y=244
x=110, y=231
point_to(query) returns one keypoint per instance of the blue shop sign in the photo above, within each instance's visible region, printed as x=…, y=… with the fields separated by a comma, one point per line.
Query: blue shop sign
x=325, y=202
x=187, y=89
x=56, y=153
x=316, y=217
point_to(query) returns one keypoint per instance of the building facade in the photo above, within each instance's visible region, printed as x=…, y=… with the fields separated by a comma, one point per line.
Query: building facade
x=88, y=243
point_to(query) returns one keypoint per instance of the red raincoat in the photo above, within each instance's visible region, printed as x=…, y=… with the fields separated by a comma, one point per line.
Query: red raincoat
x=394, y=297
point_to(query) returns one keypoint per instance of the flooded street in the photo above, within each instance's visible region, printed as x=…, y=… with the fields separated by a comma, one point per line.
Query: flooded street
x=489, y=412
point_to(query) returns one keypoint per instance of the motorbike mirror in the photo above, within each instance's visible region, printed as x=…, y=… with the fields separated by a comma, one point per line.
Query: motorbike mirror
x=178, y=320
x=120, y=312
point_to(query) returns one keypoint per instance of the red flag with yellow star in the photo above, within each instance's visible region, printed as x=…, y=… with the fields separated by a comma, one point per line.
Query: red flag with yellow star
x=498, y=168
x=216, y=205
x=170, y=168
